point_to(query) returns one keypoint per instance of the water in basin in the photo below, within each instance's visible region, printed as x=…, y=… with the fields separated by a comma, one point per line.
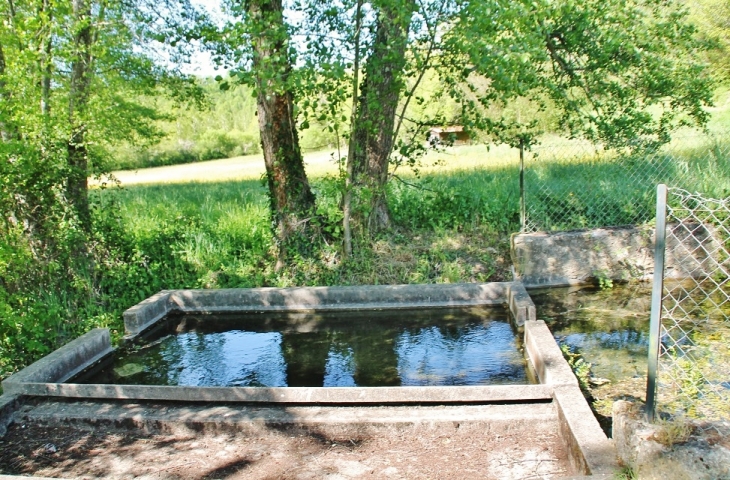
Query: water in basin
x=454, y=346
x=608, y=327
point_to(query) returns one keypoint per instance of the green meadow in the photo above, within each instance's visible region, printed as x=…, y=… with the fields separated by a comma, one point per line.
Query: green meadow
x=452, y=219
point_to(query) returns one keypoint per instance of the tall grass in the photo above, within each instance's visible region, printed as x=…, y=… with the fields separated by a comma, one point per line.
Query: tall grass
x=570, y=187
x=218, y=233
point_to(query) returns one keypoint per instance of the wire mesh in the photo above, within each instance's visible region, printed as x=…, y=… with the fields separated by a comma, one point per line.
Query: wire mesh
x=693, y=375
x=575, y=184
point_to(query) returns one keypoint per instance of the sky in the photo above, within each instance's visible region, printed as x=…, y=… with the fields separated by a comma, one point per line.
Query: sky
x=202, y=65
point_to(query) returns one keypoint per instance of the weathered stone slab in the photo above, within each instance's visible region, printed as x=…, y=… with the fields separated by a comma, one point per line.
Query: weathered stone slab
x=693, y=251
x=520, y=304
x=64, y=363
x=681, y=459
x=622, y=254
x=577, y=257
x=297, y=395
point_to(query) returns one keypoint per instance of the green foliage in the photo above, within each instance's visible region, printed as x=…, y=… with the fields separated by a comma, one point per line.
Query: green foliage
x=605, y=282
x=451, y=227
x=462, y=199
x=625, y=74
x=711, y=19
x=224, y=126
x=71, y=76
x=48, y=295
x=563, y=202
x=580, y=367
x=626, y=473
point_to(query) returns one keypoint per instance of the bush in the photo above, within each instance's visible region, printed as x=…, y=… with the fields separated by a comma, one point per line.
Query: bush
x=215, y=144
x=212, y=145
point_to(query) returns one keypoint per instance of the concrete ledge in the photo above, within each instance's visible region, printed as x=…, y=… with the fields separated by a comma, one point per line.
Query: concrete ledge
x=546, y=356
x=520, y=304
x=299, y=395
x=64, y=363
x=579, y=257
x=339, y=298
x=151, y=416
x=590, y=450
x=147, y=312
x=295, y=299
x=9, y=404
x=557, y=396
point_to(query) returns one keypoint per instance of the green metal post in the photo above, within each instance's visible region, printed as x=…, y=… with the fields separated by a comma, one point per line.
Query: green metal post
x=657, y=292
x=523, y=212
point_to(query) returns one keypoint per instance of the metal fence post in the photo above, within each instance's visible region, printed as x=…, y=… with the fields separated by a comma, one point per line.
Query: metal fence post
x=523, y=212
x=657, y=292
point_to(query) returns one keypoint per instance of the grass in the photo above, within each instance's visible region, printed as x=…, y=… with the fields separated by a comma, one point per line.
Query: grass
x=206, y=224
x=569, y=184
x=318, y=164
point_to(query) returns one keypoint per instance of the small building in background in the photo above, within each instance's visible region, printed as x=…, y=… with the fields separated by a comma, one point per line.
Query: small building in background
x=447, y=135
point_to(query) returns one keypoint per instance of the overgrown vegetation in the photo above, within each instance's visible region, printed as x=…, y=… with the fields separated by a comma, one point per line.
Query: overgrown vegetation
x=556, y=179
x=71, y=75
x=581, y=368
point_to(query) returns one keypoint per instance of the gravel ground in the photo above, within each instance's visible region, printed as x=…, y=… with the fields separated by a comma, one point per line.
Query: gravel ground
x=442, y=450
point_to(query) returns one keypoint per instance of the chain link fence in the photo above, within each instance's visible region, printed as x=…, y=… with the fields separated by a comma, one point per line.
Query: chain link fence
x=690, y=374
x=571, y=185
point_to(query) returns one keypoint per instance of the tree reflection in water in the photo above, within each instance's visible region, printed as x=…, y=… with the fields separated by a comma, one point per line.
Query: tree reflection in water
x=463, y=346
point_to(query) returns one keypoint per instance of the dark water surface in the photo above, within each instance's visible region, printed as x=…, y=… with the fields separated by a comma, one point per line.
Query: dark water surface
x=464, y=346
x=608, y=327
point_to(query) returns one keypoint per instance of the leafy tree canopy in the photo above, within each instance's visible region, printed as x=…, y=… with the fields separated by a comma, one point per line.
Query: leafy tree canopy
x=622, y=73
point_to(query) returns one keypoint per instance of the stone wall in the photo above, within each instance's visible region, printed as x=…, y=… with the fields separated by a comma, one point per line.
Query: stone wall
x=577, y=257
x=623, y=254
x=675, y=449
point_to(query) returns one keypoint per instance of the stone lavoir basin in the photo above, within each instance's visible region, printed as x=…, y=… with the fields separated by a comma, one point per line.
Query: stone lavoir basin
x=474, y=348
x=350, y=348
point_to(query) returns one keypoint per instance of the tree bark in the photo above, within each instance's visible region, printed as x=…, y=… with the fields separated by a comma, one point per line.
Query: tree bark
x=6, y=131
x=380, y=93
x=81, y=70
x=291, y=199
x=352, y=145
x=44, y=59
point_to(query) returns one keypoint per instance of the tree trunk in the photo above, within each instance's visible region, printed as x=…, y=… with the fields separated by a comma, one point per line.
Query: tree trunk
x=44, y=60
x=380, y=93
x=352, y=145
x=81, y=68
x=291, y=199
x=6, y=131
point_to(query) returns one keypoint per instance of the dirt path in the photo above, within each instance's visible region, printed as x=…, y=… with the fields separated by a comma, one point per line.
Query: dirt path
x=440, y=451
